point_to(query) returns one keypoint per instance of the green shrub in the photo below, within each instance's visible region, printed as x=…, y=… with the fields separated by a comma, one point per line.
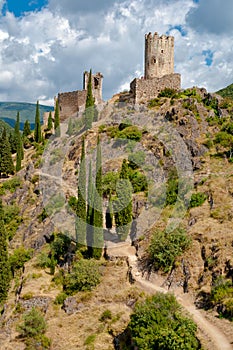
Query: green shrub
x=43, y=260
x=12, y=219
x=130, y=133
x=109, y=181
x=12, y=184
x=136, y=159
x=106, y=315
x=138, y=181
x=73, y=202
x=167, y=92
x=155, y=102
x=19, y=257
x=165, y=247
x=197, y=199
x=84, y=276
x=33, y=324
x=158, y=323
x=222, y=296
x=60, y=298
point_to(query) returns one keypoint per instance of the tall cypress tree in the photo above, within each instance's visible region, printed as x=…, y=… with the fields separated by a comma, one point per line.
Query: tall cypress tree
x=98, y=239
x=90, y=211
x=26, y=129
x=19, y=143
x=4, y=263
x=50, y=122
x=37, y=131
x=90, y=103
x=81, y=202
x=6, y=164
x=123, y=204
x=57, y=120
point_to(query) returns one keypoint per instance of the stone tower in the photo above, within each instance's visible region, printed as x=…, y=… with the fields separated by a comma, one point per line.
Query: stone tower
x=97, y=80
x=159, y=55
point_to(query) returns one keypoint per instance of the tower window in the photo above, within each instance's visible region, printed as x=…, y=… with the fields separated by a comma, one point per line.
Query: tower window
x=161, y=51
x=96, y=83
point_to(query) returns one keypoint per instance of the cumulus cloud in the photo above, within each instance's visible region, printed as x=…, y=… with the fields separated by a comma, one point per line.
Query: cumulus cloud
x=46, y=52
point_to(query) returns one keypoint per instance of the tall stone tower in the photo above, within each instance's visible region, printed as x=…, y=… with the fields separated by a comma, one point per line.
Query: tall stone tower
x=159, y=55
x=97, y=81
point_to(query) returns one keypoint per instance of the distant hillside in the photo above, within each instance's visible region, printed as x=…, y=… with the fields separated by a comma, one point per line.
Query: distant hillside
x=8, y=112
x=226, y=92
x=3, y=125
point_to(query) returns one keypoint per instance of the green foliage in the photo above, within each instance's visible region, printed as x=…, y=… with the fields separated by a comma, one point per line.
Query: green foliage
x=26, y=129
x=33, y=324
x=11, y=184
x=130, y=133
x=155, y=102
x=136, y=159
x=73, y=203
x=57, y=120
x=158, y=323
x=222, y=297
x=138, y=181
x=83, y=277
x=59, y=246
x=167, y=92
x=81, y=214
x=226, y=92
x=60, y=298
x=6, y=162
x=123, y=203
x=197, y=199
x=212, y=103
x=4, y=262
x=106, y=315
x=89, y=113
x=19, y=257
x=50, y=122
x=11, y=219
x=109, y=182
x=165, y=247
x=43, y=260
x=37, y=131
x=172, y=189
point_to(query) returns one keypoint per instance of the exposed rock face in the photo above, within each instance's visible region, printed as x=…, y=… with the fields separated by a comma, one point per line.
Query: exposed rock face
x=71, y=306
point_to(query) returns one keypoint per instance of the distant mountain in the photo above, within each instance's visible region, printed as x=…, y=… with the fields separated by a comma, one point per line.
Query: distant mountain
x=226, y=92
x=5, y=125
x=27, y=111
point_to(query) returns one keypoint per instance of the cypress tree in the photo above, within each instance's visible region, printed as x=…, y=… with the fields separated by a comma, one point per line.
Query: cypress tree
x=26, y=129
x=6, y=164
x=123, y=204
x=81, y=202
x=90, y=211
x=57, y=121
x=98, y=239
x=37, y=131
x=4, y=262
x=90, y=103
x=19, y=147
x=50, y=122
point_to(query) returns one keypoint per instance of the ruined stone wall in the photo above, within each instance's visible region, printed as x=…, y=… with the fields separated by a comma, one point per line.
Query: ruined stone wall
x=144, y=90
x=159, y=55
x=70, y=102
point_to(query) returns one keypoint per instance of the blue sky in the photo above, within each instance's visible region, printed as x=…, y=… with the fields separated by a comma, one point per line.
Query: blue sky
x=46, y=45
x=19, y=7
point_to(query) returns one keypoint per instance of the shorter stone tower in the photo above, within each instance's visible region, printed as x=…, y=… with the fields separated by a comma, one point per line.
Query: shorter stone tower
x=97, y=80
x=159, y=55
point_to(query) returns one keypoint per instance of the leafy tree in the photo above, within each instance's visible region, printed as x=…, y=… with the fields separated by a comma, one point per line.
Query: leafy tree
x=89, y=113
x=90, y=211
x=109, y=182
x=50, y=122
x=19, y=257
x=26, y=129
x=57, y=120
x=59, y=246
x=81, y=202
x=19, y=144
x=6, y=164
x=165, y=247
x=158, y=323
x=98, y=239
x=4, y=262
x=84, y=276
x=37, y=131
x=123, y=203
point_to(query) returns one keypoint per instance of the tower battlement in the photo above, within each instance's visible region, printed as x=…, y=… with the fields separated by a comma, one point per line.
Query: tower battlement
x=159, y=55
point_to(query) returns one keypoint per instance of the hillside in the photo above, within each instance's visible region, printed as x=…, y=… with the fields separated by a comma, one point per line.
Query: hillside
x=8, y=112
x=226, y=92
x=179, y=151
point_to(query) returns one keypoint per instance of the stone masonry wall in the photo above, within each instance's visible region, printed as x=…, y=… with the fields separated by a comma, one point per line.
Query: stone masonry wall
x=70, y=103
x=146, y=89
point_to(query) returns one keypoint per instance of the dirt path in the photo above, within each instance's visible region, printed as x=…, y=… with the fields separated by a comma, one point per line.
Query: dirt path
x=213, y=337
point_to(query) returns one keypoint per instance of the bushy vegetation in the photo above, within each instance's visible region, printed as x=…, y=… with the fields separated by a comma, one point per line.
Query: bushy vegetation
x=19, y=257
x=158, y=323
x=12, y=219
x=84, y=276
x=167, y=92
x=222, y=297
x=10, y=185
x=165, y=247
x=197, y=199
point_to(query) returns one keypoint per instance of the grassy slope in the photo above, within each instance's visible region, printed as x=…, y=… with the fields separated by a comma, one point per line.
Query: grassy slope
x=226, y=92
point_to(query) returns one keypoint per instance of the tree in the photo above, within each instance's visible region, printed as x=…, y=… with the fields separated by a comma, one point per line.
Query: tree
x=37, y=131
x=90, y=210
x=19, y=144
x=57, y=120
x=81, y=203
x=89, y=113
x=26, y=129
x=50, y=122
x=4, y=262
x=123, y=203
x=98, y=239
x=158, y=323
x=6, y=164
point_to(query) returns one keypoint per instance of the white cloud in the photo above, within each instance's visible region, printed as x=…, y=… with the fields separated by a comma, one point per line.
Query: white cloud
x=46, y=52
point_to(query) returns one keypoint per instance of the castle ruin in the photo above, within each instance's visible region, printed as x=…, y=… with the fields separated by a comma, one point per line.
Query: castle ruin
x=70, y=103
x=158, y=71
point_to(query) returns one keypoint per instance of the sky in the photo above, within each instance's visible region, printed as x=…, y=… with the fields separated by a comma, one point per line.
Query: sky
x=46, y=45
